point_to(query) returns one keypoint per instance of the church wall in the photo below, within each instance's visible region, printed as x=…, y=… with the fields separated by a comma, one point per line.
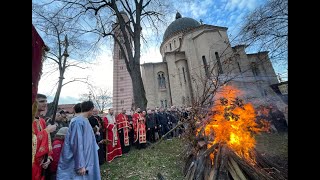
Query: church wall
x=175, y=42
x=175, y=88
x=245, y=79
x=154, y=92
x=265, y=77
x=184, y=97
x=206, y=40
x=179, y=81
x=204, y=43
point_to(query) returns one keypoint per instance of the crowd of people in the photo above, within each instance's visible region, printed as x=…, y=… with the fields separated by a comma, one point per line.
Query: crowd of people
x=70, y=148
x=73, y=148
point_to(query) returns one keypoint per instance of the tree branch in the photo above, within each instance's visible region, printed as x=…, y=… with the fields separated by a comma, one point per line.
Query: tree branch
x=74, y=80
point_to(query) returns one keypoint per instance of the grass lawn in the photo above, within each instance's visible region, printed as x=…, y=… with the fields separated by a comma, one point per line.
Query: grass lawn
x=164, y=158
x=275, y=146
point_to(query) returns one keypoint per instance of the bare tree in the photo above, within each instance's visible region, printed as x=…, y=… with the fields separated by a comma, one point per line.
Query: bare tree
x=56, y=25
x=101, y=97
x=266, y=28
x=107, y=16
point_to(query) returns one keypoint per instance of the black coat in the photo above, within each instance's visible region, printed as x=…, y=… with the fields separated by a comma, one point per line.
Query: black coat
x=162, y=118
x=151, y=120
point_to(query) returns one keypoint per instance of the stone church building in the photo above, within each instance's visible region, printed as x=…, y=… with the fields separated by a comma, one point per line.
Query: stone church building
x=193, y=55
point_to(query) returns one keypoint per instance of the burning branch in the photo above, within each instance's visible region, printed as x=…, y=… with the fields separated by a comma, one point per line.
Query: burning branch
x=224, y=146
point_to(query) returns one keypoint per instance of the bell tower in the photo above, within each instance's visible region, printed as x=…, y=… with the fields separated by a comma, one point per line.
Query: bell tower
x=122, y=83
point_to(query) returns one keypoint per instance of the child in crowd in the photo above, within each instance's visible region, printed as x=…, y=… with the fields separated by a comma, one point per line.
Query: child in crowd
x=56, y=149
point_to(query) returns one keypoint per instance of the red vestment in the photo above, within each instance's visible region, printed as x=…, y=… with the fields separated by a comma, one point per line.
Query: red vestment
x=113, y=145
x=57, y=145
x=37, y=53
x=122, y=123
x=38, y=48
x=41, y=145
x=139, y=128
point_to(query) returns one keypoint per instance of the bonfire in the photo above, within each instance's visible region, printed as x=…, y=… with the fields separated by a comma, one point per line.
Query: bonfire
x=224, y=145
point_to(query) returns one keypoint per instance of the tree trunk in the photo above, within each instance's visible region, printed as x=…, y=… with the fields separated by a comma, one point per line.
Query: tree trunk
x=56, y=99
x=62, y=68
x=50, y=109
x=139, y=93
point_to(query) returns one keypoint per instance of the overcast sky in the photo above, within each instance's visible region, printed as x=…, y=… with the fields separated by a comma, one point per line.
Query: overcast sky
x=227, y=13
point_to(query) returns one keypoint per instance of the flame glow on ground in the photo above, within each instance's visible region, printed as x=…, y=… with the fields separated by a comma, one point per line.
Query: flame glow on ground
x=232, y=123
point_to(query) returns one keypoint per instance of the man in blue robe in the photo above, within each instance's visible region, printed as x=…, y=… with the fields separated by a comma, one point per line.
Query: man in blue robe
x=79, y=156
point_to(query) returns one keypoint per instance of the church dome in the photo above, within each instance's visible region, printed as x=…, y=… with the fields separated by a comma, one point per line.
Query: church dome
x=181, y=23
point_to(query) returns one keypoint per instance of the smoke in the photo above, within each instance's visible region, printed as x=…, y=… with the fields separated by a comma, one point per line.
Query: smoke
x=258, y=93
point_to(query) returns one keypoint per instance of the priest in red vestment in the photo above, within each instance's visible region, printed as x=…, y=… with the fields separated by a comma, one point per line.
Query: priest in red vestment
x=139, y=126
x=113, y=144
x=41, y=141
x=123, y=130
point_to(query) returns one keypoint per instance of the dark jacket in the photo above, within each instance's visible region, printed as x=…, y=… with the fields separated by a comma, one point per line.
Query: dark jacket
x=162, y=119
x=172, y=118
x=151, y=120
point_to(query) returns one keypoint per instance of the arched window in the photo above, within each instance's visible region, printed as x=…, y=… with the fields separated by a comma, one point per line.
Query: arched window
x=205, y=66
x=179, y=77
x=219, y=63
x=161, y=80
x=255, y=69
x=174, y=43
x=184, y=75
x=237, y=56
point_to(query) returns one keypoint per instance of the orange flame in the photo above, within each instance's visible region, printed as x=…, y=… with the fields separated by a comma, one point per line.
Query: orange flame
x=232, y=123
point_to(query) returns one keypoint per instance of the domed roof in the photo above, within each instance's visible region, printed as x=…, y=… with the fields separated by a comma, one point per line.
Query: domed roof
x=180, y=24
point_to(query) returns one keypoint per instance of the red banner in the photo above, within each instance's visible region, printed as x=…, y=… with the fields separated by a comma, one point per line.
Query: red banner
x=37, y=52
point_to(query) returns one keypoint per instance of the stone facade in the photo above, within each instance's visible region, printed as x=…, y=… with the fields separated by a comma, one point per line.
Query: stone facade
x=191, y=53
x=157, y=94
x=196, y=52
